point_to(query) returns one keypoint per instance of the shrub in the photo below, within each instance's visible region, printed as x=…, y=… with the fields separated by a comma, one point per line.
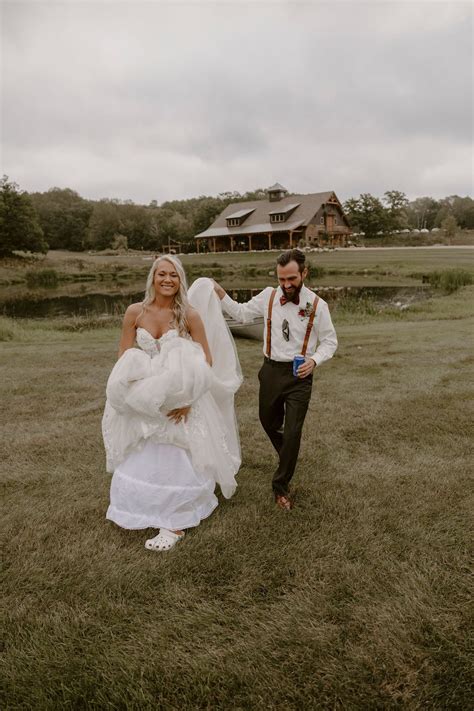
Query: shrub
x=120, y=242
x=315, y=271
x=8, y=329
x=42, y=277
x=450, y=279
x=216, y=273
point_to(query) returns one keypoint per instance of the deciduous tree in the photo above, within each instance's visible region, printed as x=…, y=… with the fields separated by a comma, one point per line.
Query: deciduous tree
x=367, y=214
x=104, y=224
x=64, y=217
x=19, y=224
x=422, y=213
x=450, y=226
x=396, y=203
x=462, y=209
x=206, y=212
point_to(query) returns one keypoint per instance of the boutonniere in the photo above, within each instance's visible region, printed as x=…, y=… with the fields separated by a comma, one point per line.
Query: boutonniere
x=306, y=312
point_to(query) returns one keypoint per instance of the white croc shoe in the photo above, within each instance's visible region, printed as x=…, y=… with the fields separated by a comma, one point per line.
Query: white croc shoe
x=164, y=541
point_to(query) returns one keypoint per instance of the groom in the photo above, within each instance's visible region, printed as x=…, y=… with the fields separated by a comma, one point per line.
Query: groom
x=297, y=322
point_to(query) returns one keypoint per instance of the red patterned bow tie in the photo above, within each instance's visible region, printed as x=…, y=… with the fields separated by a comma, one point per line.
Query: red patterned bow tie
x=284, y=300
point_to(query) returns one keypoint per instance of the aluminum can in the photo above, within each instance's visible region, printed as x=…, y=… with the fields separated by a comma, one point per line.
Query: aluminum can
x=297, y=361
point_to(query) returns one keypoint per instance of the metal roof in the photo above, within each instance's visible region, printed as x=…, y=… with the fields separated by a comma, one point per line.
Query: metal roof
x=286, y=208
x=275, y=187
x=240, y=213
x=250, y=230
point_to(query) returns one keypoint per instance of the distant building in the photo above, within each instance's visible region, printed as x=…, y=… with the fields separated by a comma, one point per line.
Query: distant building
x=281, y=221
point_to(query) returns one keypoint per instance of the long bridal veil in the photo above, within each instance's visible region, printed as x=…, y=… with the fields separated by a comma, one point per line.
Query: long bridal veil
x=225, y=361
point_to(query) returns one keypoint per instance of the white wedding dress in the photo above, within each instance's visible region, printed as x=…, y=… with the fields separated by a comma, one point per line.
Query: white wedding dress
x=164, y=474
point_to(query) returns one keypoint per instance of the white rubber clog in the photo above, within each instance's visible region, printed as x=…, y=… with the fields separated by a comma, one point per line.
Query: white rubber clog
x=164, y=541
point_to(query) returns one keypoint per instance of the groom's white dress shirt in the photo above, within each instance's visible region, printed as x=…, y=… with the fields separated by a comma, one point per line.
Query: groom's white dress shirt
x=322, y=342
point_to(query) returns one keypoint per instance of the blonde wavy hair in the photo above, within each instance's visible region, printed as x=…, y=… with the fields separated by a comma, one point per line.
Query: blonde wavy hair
x=180, y=301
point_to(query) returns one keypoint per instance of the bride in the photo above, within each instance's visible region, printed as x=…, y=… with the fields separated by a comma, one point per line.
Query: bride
x=169, y=424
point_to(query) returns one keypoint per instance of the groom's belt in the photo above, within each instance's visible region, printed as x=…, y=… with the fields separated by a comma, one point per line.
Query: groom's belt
x=288, y=364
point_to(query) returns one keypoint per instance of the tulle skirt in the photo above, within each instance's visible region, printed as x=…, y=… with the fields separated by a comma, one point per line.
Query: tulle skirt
x=156, y=486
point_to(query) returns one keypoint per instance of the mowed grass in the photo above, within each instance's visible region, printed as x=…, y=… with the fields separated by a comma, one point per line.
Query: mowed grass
x=357, y=599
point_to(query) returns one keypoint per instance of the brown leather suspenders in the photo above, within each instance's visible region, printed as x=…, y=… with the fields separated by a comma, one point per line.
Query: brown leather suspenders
x=308, y=329
x=269, y=323
x=310, y=326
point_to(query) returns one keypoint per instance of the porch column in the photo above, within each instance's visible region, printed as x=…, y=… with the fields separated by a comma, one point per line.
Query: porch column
x=291, y=239
x=250, y=242
x=214, y=243
x=231, y=243
x=269, y=240
x=197, y=245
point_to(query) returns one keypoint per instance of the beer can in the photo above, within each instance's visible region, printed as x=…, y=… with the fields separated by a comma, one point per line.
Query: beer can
x=297, y=361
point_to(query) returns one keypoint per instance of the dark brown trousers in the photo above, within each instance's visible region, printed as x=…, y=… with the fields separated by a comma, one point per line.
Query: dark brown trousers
x=283, y=403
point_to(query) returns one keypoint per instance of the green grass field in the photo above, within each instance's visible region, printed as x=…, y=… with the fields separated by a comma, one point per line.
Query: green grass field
x=357, y=599
x=343, y=267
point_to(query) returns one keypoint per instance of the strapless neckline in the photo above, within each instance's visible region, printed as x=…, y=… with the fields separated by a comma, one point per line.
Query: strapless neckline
x=151, y=345
x=170, y=330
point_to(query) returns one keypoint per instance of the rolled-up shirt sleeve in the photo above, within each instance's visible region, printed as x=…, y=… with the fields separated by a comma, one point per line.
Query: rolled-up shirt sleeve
x=326, y=334
x=248, y=311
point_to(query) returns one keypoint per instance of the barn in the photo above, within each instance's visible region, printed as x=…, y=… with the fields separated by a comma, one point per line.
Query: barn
x=281, y=221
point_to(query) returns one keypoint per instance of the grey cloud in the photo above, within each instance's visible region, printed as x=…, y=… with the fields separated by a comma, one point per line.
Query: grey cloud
x=146, y=100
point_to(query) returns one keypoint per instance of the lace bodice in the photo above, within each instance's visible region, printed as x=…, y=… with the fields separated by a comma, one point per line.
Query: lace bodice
x=151, y=345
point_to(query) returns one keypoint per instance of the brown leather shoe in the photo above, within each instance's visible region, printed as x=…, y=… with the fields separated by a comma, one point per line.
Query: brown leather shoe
x=283, y=502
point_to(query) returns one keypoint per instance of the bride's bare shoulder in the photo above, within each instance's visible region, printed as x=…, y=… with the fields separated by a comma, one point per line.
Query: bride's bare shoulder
x=192, y=315
x=133, y=311
x=135, y=308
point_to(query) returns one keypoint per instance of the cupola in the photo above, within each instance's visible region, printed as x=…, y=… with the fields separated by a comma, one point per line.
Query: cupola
x=276, y=192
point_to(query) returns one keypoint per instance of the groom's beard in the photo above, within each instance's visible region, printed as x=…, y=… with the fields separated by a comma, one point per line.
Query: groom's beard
x=293, y=293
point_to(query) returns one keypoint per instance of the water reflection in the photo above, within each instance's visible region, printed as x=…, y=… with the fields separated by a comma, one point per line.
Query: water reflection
x=43, y=303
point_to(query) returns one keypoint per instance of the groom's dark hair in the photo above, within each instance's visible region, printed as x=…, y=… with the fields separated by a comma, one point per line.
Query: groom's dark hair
x=292, y=255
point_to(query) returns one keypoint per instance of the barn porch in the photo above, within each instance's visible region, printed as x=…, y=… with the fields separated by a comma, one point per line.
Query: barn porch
x=249, y=242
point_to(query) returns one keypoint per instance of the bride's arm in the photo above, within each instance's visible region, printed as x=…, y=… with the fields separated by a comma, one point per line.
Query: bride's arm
x=127, y=339
x=197, y=331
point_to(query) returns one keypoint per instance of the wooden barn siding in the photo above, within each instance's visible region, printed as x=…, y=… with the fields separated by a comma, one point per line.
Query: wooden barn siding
x=333, y=210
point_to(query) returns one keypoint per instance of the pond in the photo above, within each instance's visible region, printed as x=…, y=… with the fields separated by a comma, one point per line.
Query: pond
x=100, y=299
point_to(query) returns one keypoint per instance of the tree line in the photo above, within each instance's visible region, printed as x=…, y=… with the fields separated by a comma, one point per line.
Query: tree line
x=61, y=219
x=394, y=213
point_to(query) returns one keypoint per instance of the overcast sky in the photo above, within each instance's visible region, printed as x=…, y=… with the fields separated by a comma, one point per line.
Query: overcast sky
x=168, y=100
